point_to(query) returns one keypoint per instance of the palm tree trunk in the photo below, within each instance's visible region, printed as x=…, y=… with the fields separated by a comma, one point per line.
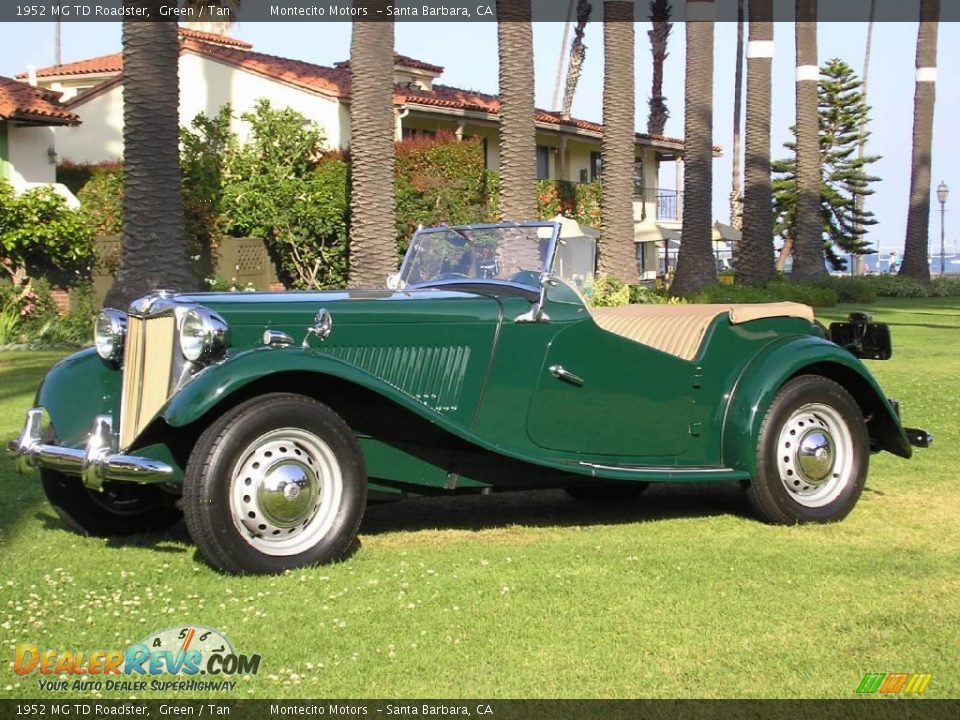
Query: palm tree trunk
x=860, y=198
x=915, y=251
x=808, y=261
x=659, y=35
x=578, y=52
x=373, y=252
x=696, y=266
x=736, y=186
x=153, y=249
x=518, y=153
x=618, y=254
x=755, y=265
x=555, y=105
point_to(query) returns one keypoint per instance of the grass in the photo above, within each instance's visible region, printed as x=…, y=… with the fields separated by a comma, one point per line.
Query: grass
x=681, y=594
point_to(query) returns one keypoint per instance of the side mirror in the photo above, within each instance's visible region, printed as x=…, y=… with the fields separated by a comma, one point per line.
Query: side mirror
x=393, y=281
x=537, y=311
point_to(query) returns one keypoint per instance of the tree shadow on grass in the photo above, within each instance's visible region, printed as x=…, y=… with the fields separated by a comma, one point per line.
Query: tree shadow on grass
x=554, y=508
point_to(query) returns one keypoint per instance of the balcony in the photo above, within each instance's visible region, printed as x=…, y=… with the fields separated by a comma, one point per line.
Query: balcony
x=669, y=204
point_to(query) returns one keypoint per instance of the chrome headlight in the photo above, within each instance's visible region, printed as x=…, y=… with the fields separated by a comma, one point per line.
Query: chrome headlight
x=203, y=335
x=109, y=333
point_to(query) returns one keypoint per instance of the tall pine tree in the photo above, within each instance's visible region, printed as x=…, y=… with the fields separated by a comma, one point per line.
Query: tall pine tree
x=844, y=116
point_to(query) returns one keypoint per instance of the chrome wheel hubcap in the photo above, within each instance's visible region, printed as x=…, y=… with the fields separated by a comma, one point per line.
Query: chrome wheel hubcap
x=815, y=455
x=285, y=491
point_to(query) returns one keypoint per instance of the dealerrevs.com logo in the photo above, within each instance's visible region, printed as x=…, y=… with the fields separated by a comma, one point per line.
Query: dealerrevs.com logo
x=181, y=652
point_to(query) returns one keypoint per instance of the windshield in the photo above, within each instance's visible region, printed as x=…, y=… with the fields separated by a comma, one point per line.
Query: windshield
x=515, y=253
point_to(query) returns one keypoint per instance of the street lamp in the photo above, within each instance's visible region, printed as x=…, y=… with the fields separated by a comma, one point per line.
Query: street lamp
x=942, y=193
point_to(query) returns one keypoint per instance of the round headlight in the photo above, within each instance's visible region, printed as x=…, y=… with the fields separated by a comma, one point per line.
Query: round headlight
x=109, y=332
x=202, y=334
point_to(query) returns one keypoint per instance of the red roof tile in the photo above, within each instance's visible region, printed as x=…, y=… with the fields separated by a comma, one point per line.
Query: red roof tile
x=402, y=61
x=112, y=63
x=296, y=72
x=188, y=34
x=19, y=101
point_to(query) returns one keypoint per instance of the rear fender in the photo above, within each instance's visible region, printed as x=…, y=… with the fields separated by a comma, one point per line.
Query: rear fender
x=781, y=361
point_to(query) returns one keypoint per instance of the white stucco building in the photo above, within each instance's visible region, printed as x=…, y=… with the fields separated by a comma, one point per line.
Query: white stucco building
x=28, y=151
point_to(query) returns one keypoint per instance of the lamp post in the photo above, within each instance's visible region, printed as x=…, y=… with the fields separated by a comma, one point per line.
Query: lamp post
x=942, y=193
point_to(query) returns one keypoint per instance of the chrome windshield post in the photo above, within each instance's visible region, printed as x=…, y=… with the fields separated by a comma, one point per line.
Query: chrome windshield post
x=537, y=311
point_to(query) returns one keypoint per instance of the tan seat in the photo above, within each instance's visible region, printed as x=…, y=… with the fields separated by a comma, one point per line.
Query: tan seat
x=680, y=329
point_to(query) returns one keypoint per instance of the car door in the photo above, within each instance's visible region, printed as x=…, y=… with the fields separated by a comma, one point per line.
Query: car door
x=600, y=394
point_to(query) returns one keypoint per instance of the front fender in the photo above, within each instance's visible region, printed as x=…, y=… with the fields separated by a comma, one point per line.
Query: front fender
x=74, y=391
x=218, y=382
x=780, y=361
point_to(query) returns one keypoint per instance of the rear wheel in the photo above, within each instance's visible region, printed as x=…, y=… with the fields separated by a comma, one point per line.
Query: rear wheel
x=276, y=483
x=121, y=509
x=813, y=454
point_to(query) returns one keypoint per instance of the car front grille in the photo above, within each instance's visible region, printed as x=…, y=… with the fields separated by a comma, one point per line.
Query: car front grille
x=147, y=372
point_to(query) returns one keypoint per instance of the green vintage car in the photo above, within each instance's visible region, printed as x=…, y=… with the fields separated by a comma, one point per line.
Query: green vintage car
x=267, y=418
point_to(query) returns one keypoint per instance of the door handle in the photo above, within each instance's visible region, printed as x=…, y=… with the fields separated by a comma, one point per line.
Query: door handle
x=560, y=373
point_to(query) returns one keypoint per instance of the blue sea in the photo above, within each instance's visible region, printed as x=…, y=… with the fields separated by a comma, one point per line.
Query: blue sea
x=952, y=262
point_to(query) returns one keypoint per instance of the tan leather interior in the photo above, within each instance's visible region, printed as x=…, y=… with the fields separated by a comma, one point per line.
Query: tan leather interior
x=680, y=329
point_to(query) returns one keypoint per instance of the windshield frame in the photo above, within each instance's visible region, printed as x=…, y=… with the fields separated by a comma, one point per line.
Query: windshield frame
x=479, y=227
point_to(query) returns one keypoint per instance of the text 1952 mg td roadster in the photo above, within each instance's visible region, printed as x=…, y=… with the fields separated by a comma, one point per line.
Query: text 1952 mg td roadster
x=266, y=417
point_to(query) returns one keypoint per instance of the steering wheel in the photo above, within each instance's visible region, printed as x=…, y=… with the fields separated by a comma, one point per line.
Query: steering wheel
x=526, y=277
x=451, y=276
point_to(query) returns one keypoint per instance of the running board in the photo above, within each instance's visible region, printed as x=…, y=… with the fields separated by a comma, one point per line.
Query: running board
x=665, y=473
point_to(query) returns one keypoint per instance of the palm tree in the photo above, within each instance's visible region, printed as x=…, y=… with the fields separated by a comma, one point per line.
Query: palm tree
x=373, y=254
x=518, y=153
x=578, y=52
x=696, y=266
x=808, y=244
x=915, y=262
x=618, y=255
x=755, y=252
x=154, y=246
x=736, y=186
x=659, y=35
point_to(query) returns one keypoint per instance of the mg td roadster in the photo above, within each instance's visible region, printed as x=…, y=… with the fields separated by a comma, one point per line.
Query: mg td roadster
x=267, y=418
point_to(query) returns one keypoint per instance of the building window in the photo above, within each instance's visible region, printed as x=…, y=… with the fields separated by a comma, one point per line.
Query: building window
x=418, y=134
x=584, y=177
x=638, y=178
x=543, y=162
x=596, y=166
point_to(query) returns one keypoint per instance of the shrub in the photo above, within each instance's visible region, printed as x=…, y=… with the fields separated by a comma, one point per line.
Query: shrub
x=777, y=291
x=38, y=229
x=609, y=292
x=853, y=289
x=580, y=201
x=273, y=190
x=643, y=295
x=440, y=180
x=102, y=200
x=906, y=287
x=76, y=175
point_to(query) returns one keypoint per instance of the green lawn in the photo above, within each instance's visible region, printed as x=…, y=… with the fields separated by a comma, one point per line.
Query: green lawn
x=680, y=594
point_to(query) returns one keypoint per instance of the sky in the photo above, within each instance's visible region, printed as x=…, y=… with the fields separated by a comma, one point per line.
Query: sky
x=469, y=54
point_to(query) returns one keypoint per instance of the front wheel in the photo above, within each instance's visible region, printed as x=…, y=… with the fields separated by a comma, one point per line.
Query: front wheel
x=813, y=454
x=276, y=483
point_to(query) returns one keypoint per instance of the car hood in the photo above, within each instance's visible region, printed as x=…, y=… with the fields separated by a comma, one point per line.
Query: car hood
x=249, y=313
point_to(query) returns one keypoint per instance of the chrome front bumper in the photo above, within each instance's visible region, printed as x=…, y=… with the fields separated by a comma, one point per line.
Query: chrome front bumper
x=96, y=464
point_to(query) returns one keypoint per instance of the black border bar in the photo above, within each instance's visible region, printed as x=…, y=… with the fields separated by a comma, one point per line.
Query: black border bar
x=436, y=10
x=855, y=709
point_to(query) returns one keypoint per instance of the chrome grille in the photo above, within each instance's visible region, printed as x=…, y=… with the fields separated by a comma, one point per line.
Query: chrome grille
x=147, y=372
